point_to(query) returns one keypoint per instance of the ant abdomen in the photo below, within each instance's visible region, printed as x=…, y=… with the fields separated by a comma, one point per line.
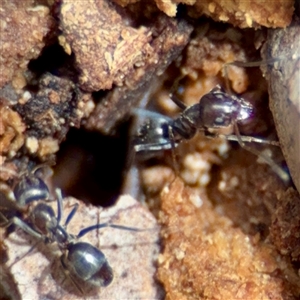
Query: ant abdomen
x=88, y=263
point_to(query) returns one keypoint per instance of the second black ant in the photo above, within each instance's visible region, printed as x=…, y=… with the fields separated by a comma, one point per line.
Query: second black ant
x=80, y=260
x=215, y=110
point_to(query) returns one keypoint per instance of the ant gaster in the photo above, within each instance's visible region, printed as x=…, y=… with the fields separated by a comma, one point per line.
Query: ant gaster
x=79, y=259
x=216, y=109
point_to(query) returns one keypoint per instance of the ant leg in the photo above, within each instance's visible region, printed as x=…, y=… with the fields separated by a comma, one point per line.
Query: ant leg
x=59, y=205
x=43, y=165
x=177, y=101
x=283, y=175
x=145, y=113
x=43, y=170
x=25, y=227
x=276, y=169
x=63, y=258
x=250, y=139
x=60, y=209
x=5, y=222
x=21, y=224
x=71, y=215
x=173, y=96
x=146, y=147
x=171, y=135
x=131, y=184
x=24, y=255
x=152, y=147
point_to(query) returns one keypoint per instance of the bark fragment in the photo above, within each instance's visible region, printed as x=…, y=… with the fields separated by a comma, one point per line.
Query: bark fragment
x=283, y=77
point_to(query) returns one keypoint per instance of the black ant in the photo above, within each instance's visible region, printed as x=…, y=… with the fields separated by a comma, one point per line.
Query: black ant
x=215, y=110
x=80, y=259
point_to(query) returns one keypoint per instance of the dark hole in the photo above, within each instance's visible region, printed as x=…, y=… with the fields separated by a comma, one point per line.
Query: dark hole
x=55, y=60
x=90, y=166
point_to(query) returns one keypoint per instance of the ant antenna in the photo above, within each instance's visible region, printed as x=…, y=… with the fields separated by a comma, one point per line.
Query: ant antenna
x=175, y=163
x=251, y=64
x=111, y=225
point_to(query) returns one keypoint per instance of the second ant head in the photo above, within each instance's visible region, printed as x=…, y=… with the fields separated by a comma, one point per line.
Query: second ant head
x=219, y=109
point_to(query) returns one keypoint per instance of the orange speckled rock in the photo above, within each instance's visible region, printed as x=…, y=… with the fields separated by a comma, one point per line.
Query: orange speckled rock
x=205, y=257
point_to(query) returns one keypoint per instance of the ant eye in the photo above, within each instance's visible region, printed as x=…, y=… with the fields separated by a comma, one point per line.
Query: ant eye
x=219, y=122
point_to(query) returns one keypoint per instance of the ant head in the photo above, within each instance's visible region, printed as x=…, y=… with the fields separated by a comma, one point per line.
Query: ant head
x=219, y=109
x=29, y=185
x=30, y=188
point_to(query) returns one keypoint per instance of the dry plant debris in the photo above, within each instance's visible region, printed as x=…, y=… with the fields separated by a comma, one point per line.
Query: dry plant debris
x=206, y=257
x=23, y=28
x=111, y=50
x=40, y=119
x=132, y=256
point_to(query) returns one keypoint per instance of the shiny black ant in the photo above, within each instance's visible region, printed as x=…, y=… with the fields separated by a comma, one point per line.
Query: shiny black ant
x=215, y=110
x=80, y=259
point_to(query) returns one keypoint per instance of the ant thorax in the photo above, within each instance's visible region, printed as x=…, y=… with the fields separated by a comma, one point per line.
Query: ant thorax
x=153, y=132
